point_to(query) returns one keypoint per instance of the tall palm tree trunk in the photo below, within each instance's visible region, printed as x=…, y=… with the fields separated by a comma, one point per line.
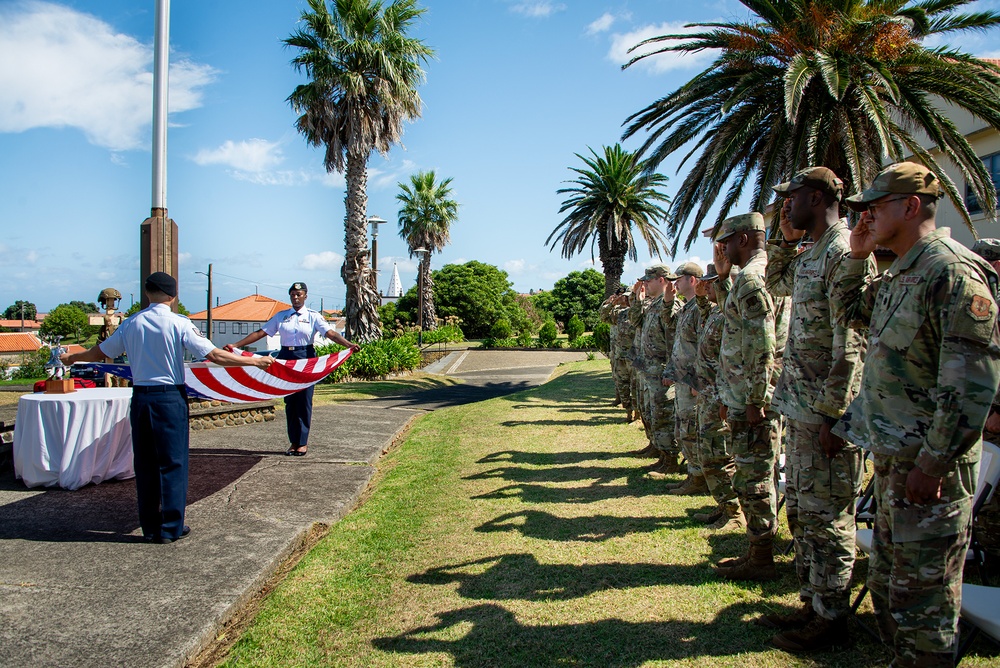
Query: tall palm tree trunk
x=430, y=315
x=361, y=304
x=613, y=262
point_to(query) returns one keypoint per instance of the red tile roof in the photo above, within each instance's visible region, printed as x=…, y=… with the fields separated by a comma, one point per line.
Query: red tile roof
x=28, y=324
x=19, y=342
x=253, y=308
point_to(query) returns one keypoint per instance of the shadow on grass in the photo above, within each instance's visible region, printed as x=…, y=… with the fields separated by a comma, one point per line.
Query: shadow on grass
x=592, y=494
x=497, y=638
x=596, y=528
x=547, y=458
x=520, y=576
x=601, y=475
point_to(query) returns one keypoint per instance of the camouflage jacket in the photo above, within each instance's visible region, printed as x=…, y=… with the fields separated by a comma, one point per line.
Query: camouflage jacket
x=607, y=312
x=654, y=335
x=746, y=362
x=707, y=368
x=933, y=361
x=624, y=333
x=684, y=353
x=821, y=367
x=782, y=316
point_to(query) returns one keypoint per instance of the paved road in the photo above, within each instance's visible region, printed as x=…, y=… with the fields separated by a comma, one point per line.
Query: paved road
x=79, y=588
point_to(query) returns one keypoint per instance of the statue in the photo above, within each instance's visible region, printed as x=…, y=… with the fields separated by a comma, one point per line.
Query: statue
x=110, y=321
x=54, y=366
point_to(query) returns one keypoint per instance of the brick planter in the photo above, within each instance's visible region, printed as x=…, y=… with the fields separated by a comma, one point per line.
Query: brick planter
x=216, y=414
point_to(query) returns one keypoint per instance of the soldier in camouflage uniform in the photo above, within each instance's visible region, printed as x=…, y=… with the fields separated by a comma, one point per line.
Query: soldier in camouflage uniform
x=715, y=446
x=931, y=373
x=615, y=312
x=603, y=313
x=745, y=372
x=680, y=370
x=820, y=375
x=987, y=521
x=656, y=336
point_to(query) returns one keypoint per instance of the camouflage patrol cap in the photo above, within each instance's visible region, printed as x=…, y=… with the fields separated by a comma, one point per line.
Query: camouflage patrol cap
x=655, y=271
x=747, y=222
x=902, y=178
x=988, y=249
x=817, y=178
x=688, y=269
x=298, y=286
x=711, y=274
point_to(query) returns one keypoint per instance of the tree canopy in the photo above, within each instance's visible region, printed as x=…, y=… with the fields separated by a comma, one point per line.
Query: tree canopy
x=65, y=320
x=580, y=293
x=846, y=84
x=13, y=312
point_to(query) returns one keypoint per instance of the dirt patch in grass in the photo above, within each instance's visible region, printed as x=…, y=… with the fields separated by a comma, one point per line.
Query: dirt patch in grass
x=517, y=532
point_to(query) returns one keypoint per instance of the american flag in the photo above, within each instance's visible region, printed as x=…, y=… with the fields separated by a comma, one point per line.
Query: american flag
x=246, y=384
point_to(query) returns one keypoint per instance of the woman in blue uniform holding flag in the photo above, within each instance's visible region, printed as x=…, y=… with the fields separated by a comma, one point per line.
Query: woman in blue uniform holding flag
x=297, y=328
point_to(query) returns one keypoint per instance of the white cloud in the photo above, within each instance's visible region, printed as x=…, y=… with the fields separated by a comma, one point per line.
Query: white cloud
x=602, y=24
x=325, y=260
x=403, y=264
x=183, y=259
x=63, y=68
x=537, y=8
x=664, y=62
x=514, y=266
x=250, y=155
x=31, y=257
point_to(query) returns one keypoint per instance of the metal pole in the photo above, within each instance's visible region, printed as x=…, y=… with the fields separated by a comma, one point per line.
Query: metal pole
x=208, y=325
x=420, y=302
x=161, y=48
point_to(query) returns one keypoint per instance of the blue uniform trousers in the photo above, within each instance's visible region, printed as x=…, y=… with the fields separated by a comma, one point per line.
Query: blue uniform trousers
x=160, y=438
x=298, y=406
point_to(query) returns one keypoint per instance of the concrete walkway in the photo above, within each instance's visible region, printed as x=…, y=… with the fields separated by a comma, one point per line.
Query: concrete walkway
x=78, y=587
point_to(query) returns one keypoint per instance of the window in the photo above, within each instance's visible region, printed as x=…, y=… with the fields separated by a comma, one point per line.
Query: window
x=245, y=328
x=992, y=164
x=222, y=328
x=256, y=326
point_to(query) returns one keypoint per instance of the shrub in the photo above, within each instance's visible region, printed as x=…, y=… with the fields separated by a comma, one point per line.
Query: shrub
x=575, y=328
x=375, y=360
x=508, y=342
x=501, y=329
x=525, y=339
x=33, y=366
x=583, y=342
x=602, y=337
x=445, y=334
x=548, y=335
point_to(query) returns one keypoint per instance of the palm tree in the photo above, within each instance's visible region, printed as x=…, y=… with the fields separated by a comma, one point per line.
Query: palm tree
x=612, y=194
x=843, y=83
x=425, y=220
x=363, y=72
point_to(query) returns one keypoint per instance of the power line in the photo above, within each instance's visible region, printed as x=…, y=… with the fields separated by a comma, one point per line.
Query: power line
x=336, y=302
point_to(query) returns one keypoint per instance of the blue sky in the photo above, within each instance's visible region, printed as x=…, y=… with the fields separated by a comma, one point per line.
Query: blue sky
x=517, y=87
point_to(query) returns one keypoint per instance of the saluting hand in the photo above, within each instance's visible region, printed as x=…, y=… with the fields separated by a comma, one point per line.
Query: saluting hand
x=722, y=264
x=700, y=288
x=787, y=231
x=862, y=240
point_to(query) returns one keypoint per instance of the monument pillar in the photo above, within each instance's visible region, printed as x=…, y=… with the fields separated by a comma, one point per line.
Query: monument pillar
x=157, y=248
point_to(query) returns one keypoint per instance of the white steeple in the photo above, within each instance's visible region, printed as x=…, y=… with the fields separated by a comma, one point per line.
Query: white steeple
x=395, y=285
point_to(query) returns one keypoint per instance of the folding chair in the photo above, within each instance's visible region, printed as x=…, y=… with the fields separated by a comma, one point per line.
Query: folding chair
x=980, y=612
x=989, y=476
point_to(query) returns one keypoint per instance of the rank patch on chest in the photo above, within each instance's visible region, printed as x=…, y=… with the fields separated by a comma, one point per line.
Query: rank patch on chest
x=910, y=280
x=980, y=307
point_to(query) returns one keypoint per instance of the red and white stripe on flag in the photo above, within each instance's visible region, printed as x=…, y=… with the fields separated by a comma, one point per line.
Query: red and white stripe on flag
x=243, y=384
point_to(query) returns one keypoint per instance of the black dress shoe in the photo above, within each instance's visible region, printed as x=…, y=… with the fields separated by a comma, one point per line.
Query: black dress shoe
x=163, y=540
x=296, y=453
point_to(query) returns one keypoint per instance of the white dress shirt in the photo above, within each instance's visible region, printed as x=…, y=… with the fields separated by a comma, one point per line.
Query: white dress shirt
x=297, y=328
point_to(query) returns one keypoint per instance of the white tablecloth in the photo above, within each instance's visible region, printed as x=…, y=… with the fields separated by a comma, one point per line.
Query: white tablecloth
x=73, y=439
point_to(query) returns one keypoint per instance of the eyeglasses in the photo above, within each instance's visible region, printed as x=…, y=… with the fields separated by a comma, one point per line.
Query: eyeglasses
x=874, y=206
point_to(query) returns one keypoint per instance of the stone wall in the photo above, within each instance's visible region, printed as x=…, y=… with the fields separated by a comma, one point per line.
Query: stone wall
x=216, y=414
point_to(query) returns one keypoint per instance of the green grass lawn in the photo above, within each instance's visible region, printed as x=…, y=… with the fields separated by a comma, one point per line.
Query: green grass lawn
x=516, y=532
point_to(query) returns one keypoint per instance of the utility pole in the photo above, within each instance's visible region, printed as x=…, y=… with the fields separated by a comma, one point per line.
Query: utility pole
x=209, y=323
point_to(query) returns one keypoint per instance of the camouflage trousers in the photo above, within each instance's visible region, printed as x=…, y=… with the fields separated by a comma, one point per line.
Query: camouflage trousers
x=621, y=371
x=915, y=576
x=755, y=450
x=717, y=463
x=686, y=427
x=826, y=492
x=659, y=403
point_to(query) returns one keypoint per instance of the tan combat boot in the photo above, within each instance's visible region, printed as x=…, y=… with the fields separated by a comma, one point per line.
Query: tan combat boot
x=710, y=517
x=819, y=634
x=732, y=519
x=693, y=486
x=758, y=565
x=793, y=620
x=648, y=451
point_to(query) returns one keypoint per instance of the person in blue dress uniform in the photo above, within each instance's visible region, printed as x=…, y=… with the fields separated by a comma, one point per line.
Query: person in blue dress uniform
x=155, y=339
x=297, y=328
